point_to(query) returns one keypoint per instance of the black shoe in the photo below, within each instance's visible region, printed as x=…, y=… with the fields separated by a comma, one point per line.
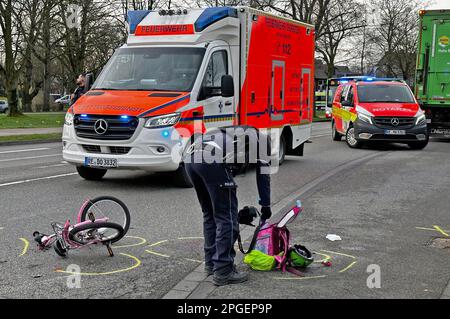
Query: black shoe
x=233, y=277
x=209, y=270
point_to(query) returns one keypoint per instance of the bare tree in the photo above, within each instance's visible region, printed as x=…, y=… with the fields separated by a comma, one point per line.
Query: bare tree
x=339, y=23
x=10, y=39
x=396, y=36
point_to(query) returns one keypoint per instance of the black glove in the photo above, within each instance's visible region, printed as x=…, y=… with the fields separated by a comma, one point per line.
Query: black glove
x=266, y=213
x=246, y=215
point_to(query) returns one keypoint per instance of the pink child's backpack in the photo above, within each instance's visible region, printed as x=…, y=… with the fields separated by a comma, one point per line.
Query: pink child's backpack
x=273, y=239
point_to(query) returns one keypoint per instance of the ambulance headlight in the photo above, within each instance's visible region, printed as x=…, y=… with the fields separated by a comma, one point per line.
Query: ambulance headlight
x=68, y=120
x=365, y=118
x=163, y=120
x=420, y=119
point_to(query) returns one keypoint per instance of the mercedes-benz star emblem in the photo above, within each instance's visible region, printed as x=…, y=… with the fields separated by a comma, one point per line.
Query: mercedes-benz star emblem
x=395, y=121
x=100, y=127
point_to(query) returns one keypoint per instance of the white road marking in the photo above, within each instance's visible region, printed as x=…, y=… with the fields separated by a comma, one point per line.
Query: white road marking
x=31, y=157
x=36, y=179
x=55, y=165
x=25, y=150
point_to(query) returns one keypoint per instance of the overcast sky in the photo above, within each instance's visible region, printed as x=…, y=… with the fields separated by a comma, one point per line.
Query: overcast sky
x=441, y=4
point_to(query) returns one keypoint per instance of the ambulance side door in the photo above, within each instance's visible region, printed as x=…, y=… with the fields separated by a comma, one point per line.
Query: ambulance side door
x=337, y=107
x=218, y=110
x=347, y=105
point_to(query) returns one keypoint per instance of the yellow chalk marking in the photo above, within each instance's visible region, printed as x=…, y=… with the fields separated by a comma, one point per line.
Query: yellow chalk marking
x=327, y=257
x=431, y=229
x=158, y=243
x=348, y=267
x=157, y=254
x=424, y=228
x=137, y=264
x=194, y=260
x=299, y=278
x=439, y=229
x=141, y=242
x=25, y=248
x=340, y=254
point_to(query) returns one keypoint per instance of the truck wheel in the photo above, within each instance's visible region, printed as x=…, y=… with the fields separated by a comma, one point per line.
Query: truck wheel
x=335, y=135
x=418, y=145
x=91, y=174
x=181, y=178
x=282, y=150
x=351, y=139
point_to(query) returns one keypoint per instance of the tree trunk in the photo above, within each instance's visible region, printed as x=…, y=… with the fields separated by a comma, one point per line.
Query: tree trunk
x=13, y=100
x=46, y=104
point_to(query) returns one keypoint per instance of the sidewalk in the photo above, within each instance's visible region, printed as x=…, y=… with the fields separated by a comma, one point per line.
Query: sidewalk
x=30, y=131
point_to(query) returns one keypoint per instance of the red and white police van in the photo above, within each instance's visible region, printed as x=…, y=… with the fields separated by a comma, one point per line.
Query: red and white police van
x=182, y=71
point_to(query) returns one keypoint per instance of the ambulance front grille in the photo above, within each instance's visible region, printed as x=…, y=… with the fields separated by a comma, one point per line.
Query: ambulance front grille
x=117, y=127
x=386, y=122
x=116, y=150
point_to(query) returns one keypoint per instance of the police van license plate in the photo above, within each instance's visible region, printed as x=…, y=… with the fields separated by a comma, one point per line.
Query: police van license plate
x=394, y=132
x=100, y=162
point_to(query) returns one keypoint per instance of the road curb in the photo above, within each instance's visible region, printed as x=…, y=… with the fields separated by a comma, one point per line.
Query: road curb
x=446, y=292
x=201, y=289
x=30, y=142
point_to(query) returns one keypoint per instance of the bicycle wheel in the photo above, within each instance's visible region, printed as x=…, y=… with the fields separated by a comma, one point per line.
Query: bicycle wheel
x=103, y=231
x=108, y=206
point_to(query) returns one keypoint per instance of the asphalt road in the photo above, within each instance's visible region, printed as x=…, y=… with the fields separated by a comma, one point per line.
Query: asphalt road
x=375, y=205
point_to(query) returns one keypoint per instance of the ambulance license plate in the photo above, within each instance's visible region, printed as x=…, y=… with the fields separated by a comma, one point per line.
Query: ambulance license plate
x=394, y=132
x=100, y=162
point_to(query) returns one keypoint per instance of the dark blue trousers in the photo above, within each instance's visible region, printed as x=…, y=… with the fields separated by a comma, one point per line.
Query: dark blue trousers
x=216, y=192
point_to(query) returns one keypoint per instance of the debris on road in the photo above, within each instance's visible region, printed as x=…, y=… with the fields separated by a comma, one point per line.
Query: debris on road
x=333, y=237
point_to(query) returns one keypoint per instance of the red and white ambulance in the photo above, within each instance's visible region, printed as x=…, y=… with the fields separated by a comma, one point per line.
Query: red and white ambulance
x=182, y=71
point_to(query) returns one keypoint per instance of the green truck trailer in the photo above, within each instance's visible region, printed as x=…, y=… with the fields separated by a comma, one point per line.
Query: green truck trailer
x=432, y=87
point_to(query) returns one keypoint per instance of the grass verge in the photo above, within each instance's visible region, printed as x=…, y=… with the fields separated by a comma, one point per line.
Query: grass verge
x=30, y=138
x=41, y=120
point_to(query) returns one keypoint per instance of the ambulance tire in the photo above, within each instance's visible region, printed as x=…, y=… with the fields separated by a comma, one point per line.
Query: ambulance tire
x=91, y=174
x=282, y=150
x=350, y=138
x=180, y=177
x=335, y=135
x=418, y=145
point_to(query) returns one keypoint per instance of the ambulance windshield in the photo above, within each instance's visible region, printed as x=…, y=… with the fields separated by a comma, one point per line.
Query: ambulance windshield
x=381, y=93
x=151, y=69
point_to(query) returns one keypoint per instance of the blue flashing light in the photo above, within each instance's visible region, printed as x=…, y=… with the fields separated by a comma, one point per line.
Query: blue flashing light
x=212, y=15
x=124, y=117
x=165, y=133
x=369, y=79
x=84, y=115
x=135, y=17
x=344, y=81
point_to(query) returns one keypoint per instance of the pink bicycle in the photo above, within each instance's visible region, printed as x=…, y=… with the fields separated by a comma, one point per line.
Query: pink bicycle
x=102, y=220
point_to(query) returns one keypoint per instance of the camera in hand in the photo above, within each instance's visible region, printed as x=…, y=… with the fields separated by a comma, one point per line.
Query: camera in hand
x=247, y=214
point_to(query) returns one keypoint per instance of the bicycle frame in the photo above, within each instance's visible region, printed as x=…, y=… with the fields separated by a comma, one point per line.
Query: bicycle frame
x=61, y=233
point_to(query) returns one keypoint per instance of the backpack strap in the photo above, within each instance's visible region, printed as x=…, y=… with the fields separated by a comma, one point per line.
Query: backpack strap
x=253, y=242
x=283, y=258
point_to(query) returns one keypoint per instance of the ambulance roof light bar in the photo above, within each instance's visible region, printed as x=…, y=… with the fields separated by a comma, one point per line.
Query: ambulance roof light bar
x=346, y=79
x=172, y=12
x=212, y=15
x=134, y=18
